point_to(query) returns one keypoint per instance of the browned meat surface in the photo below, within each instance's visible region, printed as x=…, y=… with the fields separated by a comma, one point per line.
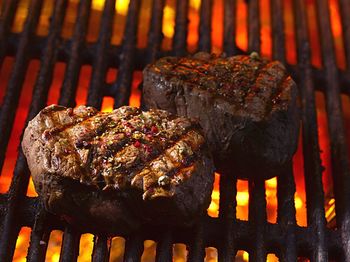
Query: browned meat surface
x=110, y=172
x=247, y=107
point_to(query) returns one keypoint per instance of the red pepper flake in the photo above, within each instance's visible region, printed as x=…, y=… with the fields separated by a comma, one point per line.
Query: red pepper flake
x=148, y=149
x=137, y=144
x=128, y=124
x=154, y=129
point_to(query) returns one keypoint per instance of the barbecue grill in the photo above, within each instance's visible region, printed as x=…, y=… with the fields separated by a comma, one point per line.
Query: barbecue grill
x=228, y=234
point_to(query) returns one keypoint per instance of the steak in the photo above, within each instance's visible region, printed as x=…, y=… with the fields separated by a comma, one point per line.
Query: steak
x=111, y=172
x=246, y=105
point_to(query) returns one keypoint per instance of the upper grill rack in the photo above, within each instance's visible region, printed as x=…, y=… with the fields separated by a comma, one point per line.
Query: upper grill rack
x=228, y=234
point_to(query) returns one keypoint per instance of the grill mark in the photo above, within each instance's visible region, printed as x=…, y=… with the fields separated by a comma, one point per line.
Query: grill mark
x=131, y=140
x=274, y=92
x=105, y=116
x=261, y=68
x=109, y=151
x=242, y=61
x=99, y=179
x=114, y=149
x=50, y=133
x=96, y=173
x=187, y=161
x=137, y=167
x=71, y=147
x=172, y=174
x=91, y=136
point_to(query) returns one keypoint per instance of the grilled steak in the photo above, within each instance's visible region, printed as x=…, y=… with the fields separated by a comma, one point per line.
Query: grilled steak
x=246, y=106
x=100, y=170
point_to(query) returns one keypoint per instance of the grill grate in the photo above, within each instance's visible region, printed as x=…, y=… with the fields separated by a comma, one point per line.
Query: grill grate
x=227, y=233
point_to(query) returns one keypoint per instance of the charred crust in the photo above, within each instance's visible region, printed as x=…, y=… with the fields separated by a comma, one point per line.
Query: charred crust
x=150, y=139
x=234, y=79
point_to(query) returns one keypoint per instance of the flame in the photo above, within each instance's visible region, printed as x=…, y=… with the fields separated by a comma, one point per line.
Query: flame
x=107, y=104
x=298, y=202
x=55, y=257
x=242, y=198
x=195, y=4
x=193, y=23
x=337, y=33
x=168, y=21
x=245, y=256
x=121, y=6
x=271, y=183
x=213, y=209
x=22, y=245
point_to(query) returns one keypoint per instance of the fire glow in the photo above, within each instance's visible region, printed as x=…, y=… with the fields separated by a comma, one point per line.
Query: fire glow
x=179, y=251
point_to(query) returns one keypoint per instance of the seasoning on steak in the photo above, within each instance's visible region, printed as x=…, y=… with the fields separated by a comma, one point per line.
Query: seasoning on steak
x=100, y=169
x=246, y=105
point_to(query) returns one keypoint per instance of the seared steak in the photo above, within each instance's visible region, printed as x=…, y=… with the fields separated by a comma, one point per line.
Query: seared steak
x=246, y=106
x=100, y=170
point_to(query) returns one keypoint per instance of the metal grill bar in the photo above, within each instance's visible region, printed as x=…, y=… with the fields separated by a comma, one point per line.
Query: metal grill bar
x=257, y=202
x=39, y=237
x=10, y=103
x=155, y=32
x=227, y=215
x=165, y=246
x=339, y=152
x=257, y=215
x=122, y=87
x=277, y=28
x=286, y=185
x=10, y=225
x=70, y=245
x=205, y=26
x=286, y=214
x=254, y=40
x=48, y=60
x=230, y=7
x=133, y=248
x=8, y=14
x=70, y=82
x=180, y=36
x=312, y=161
x=40, y=94
x=102, y=246
x=99, y=69
x=196, y=248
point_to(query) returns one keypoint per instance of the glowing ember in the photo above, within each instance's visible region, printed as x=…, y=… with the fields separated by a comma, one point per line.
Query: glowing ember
x=121, y=6
x=168, y=21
